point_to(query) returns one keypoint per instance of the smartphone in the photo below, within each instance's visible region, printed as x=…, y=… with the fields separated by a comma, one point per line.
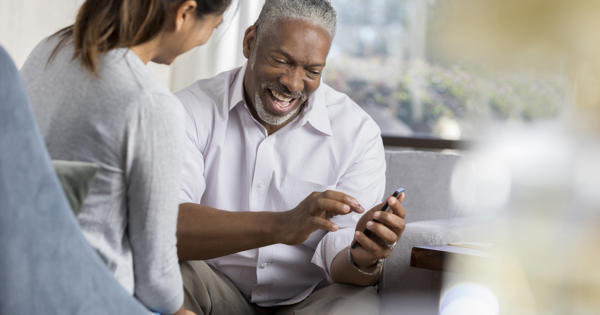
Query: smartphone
x=385, y=206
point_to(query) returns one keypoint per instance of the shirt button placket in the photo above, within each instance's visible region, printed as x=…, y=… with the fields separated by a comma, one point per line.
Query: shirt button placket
x=262, y=175
x=262, y=172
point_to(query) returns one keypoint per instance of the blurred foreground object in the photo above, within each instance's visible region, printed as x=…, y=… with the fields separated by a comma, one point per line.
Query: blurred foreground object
x=540, y=181
x=546, y=235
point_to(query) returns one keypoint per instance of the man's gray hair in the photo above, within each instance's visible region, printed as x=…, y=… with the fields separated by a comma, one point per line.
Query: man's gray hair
x=318, y=12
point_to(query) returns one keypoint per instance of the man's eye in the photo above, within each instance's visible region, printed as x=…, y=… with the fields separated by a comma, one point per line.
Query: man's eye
x=314, y=72
x=277, y=60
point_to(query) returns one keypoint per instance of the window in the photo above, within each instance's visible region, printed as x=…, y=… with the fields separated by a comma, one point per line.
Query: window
x=384, y=58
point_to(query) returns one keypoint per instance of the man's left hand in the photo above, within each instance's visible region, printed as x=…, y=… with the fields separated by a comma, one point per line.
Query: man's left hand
x=385, y=232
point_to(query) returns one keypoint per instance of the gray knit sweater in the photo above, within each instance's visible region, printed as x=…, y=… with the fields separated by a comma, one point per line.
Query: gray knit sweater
x=129, y=124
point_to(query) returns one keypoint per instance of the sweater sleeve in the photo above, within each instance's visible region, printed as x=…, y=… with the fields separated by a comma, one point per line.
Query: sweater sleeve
x=153, y=163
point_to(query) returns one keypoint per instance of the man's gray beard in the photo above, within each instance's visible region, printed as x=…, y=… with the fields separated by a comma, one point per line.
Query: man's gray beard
x=268, y=117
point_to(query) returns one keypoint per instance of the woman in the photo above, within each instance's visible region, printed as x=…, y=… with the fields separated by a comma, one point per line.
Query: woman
x=96, y=101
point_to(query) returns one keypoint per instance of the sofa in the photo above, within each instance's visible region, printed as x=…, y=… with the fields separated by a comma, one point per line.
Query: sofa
x=432, y=219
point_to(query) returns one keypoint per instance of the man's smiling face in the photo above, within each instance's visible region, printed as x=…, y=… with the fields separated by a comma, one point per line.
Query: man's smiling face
x=284, y=68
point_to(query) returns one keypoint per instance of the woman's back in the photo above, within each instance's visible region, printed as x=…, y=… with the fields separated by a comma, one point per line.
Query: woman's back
x=128, y=123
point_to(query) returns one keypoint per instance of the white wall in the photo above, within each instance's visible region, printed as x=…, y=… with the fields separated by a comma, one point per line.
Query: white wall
x=23, y=23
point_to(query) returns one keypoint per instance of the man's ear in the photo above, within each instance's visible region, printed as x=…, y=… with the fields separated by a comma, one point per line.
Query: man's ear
x=184, y=12
x=249, y=41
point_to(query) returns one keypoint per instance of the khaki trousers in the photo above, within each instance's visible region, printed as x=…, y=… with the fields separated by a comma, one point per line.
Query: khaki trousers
x=209, y=292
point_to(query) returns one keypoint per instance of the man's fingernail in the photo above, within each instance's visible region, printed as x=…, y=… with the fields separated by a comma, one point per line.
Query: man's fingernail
x=346, y=208
x=377, y=214
x=393, y=201
x=357, y=233
x=369, y=224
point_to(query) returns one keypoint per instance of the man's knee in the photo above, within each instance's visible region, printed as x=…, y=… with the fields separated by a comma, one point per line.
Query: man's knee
x=209, y=292
x=337, y=299
x=196, y=286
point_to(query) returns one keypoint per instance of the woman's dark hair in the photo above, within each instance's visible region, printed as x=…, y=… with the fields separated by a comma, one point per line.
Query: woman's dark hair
x=102, y=25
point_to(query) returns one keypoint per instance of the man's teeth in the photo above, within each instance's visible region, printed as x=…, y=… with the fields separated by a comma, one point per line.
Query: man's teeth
x=281, y=97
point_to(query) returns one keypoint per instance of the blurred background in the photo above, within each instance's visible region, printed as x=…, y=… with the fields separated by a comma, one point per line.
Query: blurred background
x=519, y=80
x=385, y=56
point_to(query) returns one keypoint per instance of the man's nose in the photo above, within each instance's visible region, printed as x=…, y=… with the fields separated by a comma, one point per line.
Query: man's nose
x=293, y=79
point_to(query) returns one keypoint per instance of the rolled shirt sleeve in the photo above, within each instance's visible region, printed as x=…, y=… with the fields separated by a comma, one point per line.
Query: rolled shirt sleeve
x=364, y=180
x=154, y=161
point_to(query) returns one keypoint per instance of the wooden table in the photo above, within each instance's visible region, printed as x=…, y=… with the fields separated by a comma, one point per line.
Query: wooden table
x=437, y=257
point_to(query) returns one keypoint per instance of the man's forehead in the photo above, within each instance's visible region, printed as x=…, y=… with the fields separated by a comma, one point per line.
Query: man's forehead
x=298, y=39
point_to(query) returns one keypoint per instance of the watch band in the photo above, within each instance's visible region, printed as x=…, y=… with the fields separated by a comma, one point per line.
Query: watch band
x=378, y=265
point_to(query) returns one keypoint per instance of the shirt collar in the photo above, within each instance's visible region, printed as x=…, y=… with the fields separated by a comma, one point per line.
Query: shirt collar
x=315, y=113
x=237, y=88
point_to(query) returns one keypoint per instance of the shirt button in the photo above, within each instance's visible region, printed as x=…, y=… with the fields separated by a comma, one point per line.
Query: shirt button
x=263, y=265
x=260, y=185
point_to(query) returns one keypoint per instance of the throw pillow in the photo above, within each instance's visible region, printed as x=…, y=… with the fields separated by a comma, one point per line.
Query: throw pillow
x=75, y=179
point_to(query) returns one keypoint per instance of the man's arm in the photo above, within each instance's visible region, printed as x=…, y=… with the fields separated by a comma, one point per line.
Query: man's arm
x=365, y=180
x=204, y=232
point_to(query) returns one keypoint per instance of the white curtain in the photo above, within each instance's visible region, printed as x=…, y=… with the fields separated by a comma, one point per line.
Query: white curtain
x=23, y=23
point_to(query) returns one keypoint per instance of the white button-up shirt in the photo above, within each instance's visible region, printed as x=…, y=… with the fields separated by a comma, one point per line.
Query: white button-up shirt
x=233, y=164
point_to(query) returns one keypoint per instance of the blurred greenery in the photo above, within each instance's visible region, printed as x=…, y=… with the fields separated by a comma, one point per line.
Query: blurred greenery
x=452, y=93
x=385, y=56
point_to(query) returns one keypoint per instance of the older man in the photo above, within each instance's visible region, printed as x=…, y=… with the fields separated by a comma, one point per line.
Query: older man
x=278, y=167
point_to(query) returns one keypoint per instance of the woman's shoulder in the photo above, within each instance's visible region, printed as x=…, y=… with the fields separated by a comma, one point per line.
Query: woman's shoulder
x=39, y=58
x=126, y=73
x=127, y=83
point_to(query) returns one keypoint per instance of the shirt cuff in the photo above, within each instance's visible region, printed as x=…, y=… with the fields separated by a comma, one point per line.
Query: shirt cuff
x=331, y=245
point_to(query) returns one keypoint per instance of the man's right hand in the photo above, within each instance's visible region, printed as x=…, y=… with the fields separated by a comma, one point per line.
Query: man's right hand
x=313, y=213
